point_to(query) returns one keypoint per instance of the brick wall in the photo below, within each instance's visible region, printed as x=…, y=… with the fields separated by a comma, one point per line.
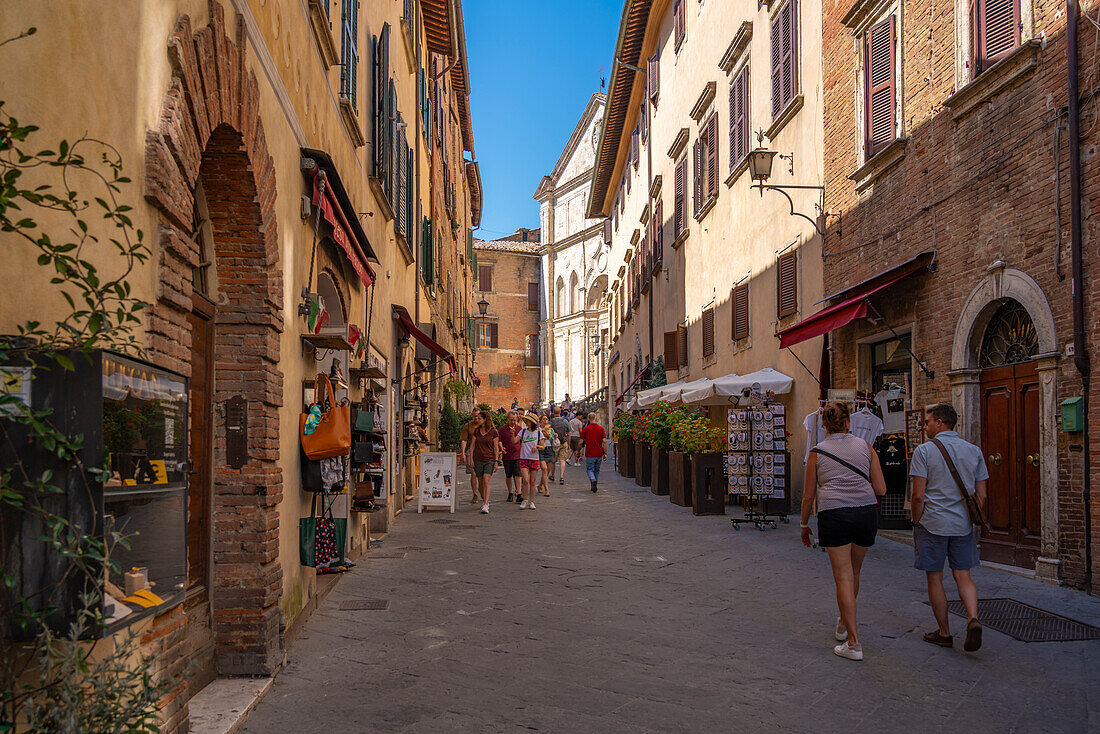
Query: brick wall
x=975, y=190
x=512, y=271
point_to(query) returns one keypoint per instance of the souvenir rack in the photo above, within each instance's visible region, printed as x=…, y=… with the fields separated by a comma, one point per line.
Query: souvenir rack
x=757, y=463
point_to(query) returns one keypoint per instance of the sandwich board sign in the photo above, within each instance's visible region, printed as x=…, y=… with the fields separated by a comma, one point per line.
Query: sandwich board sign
x=437, y=481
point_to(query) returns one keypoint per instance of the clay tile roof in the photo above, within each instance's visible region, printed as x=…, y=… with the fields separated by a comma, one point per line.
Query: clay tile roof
x=507, y=245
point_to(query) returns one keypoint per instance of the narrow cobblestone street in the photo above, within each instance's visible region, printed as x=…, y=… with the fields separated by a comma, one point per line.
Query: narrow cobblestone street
x=621, y=612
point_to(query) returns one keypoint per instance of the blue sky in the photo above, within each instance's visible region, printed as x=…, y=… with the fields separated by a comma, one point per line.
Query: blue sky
x=533, y=66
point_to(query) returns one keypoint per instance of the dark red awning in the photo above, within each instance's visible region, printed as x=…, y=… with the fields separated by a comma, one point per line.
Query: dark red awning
x=637, y=377
x=341, y=230
x=851, y=308
x=402, y=315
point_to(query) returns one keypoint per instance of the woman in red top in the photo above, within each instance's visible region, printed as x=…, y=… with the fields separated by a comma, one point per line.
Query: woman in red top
x=486, y=453
x=510, y=447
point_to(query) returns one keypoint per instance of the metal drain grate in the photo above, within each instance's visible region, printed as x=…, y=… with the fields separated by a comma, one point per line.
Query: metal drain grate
x=444, y=521
x=1027, y=623
x=374, y=556
x=412, y=548
x=365, y=605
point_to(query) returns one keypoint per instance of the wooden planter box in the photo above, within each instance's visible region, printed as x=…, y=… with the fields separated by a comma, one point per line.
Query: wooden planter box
x=642, y=465
x=679, y=478
x=708, y=487
x=659, y=472
x=626, y=457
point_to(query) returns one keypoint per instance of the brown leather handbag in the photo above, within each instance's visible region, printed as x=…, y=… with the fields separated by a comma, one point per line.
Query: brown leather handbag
x=332, y=437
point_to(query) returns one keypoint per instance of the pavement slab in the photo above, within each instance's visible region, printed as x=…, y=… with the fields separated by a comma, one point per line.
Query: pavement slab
x=620, y=612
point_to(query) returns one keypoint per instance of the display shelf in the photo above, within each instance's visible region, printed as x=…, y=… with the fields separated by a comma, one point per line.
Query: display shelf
x=338, y=342
x=366, y=373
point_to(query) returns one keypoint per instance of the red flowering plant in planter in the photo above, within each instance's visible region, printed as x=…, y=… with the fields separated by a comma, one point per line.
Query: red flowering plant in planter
x=658, y=429
x=640, y=428
x=623, y=426
x=693, y=434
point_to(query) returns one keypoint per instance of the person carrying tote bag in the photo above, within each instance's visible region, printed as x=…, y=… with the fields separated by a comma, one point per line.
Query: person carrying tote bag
x=325, y=429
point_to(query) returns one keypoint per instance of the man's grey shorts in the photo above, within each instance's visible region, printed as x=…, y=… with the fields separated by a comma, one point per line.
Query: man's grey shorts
x=930, y=551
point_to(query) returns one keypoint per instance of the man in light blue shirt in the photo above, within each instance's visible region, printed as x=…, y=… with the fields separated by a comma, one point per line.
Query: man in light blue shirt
x=942, y=529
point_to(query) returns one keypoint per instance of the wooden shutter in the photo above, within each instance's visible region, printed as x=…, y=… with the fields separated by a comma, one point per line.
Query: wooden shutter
x=607, y=231
x=672, y=351
x=777, y=64
x=633, y=151
x=680, y=24
x=643, y=120
x=708, y=332
x=712, y=156
x=998, y=30
x=879, y=94
x=533, y=296
x=653, y=78
x=696, y=175
x=678, y=206
x=658, y=229
x=739, y=298
x=739, y=117
x=381, y=83
x=682, y=344
x=784, y=43
x=484, y=278
x=493, y=336
x=787, y=287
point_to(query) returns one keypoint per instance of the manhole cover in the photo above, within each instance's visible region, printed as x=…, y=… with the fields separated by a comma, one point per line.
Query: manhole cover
x=444, y=521
x=1027, y=623
x=412, y=548
x=374, y=556
x=365, y=605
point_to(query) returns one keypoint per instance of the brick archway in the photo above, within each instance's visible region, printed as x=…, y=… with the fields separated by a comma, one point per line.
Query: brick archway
x=209, y=129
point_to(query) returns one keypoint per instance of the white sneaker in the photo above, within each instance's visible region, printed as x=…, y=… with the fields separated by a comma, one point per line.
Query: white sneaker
x=523, y=505
x=841, y=633
x=530, y=505
x=844, y=650
x=485, y=509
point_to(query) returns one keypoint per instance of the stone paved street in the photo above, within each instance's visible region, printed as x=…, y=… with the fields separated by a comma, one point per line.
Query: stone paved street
x=620, y=612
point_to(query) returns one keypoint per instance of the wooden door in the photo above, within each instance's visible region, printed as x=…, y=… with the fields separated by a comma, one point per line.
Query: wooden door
x=1010, y=442
x=200, y=638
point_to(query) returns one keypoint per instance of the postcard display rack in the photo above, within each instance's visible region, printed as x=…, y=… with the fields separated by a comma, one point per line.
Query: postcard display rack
x=758, y=463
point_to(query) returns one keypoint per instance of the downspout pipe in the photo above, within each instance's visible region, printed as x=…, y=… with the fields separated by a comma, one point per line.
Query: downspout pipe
x=1080, y=343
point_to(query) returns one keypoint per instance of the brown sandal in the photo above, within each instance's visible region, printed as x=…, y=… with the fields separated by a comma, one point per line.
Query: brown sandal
x=937, y=639
x=973, y=635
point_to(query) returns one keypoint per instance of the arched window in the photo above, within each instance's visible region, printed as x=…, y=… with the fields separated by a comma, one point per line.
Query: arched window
x=596, y=291
x=1010, y=337
x=560, y=297
x=576, y=301
x=327, y=289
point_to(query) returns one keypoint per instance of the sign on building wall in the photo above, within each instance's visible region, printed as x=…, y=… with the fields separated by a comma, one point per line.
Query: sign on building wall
x=437, y=481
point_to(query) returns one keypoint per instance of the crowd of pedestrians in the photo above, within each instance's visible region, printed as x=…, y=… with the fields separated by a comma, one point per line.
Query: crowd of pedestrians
x=532, y=447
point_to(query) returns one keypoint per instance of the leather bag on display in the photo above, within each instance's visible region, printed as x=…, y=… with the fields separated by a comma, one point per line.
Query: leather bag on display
x=331, y=435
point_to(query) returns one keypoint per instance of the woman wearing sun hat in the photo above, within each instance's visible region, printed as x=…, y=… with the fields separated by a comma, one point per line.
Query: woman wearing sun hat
x=531, y=440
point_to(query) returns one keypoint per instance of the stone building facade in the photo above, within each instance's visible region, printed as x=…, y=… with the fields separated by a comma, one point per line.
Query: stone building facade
x=506, y=339
x=576, y=330
x=949, y=174
x=273, y=147
x=704, y=266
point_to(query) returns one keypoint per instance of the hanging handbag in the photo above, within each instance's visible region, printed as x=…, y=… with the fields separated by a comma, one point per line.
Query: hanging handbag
x=311, y=473
x=332, y=434
x=363, y=452
x=364, y=418
x=973, y=511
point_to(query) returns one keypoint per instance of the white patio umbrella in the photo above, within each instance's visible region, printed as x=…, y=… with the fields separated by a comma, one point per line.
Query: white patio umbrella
x=721, y=389
x=675, y=392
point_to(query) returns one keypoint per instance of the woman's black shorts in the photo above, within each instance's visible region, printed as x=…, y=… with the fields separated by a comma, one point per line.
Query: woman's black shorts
x=844, y=525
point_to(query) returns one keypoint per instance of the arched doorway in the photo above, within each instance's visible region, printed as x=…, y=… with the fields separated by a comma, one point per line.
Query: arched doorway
x=1010, y=436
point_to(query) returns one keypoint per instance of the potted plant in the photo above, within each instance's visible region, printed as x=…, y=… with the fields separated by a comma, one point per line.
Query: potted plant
x=642, y=450
x=705, y=483
x=659, y=436
x=622, y=429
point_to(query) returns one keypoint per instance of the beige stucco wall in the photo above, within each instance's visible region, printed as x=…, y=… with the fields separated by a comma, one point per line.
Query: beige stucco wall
x=742, y=235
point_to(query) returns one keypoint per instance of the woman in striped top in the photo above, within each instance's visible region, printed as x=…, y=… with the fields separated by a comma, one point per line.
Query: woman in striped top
x=844, y=476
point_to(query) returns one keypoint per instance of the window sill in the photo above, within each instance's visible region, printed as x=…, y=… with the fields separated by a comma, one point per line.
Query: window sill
x=710, y=359
x=785, y=116
x=322, y=29
x=737, y=171
x=742, y=344
x=680, y=239
x=704, y=210
x=879, y=164
x=380, y=194
x=995, y=80
x=403, y=246
x=351, y=122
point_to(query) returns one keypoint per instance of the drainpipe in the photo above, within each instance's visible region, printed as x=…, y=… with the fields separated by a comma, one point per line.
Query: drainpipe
x=1080, y=345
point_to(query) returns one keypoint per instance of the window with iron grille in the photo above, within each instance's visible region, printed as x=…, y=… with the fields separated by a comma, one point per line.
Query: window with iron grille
x=994, y=32
x=787, y=285
x=349, y=52
x=879, y=86
x=739, y=298
x=784, y=43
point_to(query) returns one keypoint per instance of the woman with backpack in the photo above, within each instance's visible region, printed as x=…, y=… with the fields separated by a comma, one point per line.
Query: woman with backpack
x=844, y=476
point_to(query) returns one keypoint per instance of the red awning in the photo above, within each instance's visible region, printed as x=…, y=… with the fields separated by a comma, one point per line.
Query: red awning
x=835, y=316
x=402, y=315
x=341, y=230
x=637, y=377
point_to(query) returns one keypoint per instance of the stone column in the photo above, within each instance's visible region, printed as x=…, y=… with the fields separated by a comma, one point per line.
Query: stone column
x=967, y=399
x=1048, y=565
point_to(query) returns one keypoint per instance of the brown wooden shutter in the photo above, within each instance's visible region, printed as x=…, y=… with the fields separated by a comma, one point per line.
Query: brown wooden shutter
x=672, y=351
x=653, y=78
x=739, y=125
x=678, y=207
x=998, y=30
x=708, y=332
x=658, y=229
x=879, y=86
x=493, y=336
x=784, y=43
x=712, y=155
x=679, y=24
x=777, y=64
x=533, y=296
x=607, y=231
x=484, y=278
x=696, y=175
x=643, y=120
x=633, y=151
x=682, y=344
x=740, y=300
x=787, y=290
